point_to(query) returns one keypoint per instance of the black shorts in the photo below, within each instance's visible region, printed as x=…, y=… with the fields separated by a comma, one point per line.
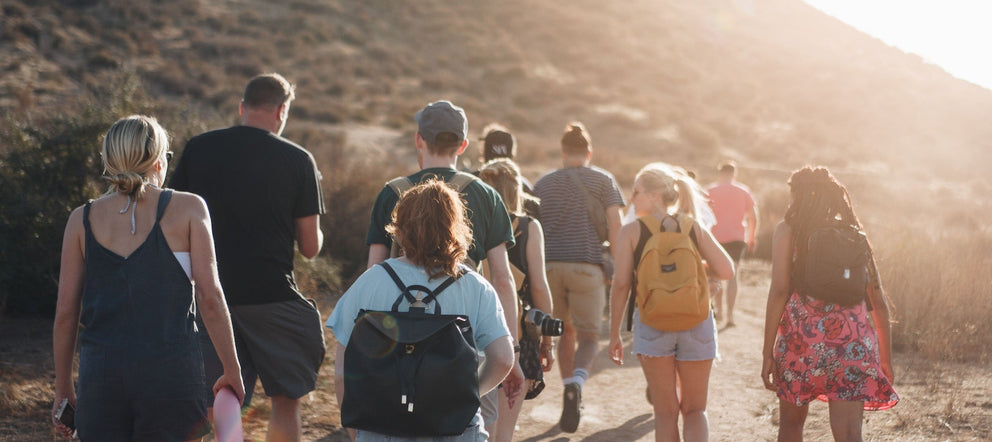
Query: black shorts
x=735, y=249
x=281, y=343
x=154, y=399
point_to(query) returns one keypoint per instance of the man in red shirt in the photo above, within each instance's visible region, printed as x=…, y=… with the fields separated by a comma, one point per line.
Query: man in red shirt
x=736, y=224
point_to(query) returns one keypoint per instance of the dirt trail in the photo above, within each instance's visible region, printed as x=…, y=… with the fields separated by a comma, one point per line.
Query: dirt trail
x=940, y=400
x=739, y=407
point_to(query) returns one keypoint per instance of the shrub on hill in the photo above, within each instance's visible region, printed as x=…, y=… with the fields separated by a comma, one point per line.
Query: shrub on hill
x=46, y=172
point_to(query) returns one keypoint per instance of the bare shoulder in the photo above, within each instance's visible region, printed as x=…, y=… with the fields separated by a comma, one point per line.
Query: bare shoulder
x=535, y=226
x=190, y=204
x=633, y=228
x=75, y=220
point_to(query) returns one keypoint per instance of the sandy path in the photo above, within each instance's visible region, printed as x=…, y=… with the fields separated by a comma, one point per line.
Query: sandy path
x=739, y=407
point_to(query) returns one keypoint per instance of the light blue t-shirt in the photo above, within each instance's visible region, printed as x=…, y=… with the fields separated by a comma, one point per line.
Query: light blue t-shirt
x=470, y=295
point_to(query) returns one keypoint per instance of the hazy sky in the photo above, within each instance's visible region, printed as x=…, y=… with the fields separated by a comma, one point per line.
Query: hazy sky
x=953, y=34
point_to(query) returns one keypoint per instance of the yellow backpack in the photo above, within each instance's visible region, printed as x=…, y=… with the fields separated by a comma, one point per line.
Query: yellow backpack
x=672, y=292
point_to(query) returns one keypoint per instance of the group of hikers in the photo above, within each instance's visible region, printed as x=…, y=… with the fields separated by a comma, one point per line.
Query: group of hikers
x=477, y=284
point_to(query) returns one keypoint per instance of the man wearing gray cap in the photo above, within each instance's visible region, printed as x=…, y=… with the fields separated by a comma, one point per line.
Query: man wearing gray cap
x=442, y=135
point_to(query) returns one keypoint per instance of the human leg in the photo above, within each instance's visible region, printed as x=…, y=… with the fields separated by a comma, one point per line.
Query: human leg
x=507, y=421
x=556, y=273
x=660, y=375
x=731, y=295
x=695, y=378
x=585, y=353
x=286, y=343
x=791, y=420
x=566, y=350
x=284, y=422
x=845, y=420
x=586, y=285
x=736, y=251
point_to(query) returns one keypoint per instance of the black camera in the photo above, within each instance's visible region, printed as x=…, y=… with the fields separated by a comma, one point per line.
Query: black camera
x=545, y=324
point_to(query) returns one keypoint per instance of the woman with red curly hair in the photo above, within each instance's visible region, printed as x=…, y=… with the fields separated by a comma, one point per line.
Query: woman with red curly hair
x=431, y=226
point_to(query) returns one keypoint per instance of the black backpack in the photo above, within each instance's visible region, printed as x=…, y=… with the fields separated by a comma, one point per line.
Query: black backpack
x=411, y=374
x=835, y=268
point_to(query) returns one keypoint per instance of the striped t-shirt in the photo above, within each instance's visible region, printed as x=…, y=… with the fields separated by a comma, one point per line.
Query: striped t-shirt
x=568, y=231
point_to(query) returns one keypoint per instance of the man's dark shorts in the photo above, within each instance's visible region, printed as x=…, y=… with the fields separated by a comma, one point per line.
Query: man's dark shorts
x=281, y=343
x=735, y=249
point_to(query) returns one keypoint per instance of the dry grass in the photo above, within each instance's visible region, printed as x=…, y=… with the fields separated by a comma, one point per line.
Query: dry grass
x=689, y=83
x=939, y=283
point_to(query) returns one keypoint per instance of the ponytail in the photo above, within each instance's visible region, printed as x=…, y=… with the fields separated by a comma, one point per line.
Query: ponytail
x=693, y=201
x=678, y=189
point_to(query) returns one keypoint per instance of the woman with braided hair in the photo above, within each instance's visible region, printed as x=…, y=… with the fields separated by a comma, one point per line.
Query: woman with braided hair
x=816, y=349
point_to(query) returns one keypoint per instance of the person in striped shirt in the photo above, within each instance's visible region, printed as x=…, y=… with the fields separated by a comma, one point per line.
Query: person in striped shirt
x=572, y=198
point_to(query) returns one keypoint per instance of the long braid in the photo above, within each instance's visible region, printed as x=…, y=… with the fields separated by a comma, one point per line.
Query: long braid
x=818, y=200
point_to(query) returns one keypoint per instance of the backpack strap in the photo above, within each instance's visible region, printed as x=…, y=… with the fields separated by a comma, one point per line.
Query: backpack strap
x=460, y=180
x=400, y=185
x=405, y=291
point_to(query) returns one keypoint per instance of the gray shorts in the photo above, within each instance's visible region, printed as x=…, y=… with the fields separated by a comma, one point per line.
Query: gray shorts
x=281, y=343
x=696, y=344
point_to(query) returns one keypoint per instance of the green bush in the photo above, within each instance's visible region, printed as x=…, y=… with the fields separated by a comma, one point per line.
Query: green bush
x=45, y=173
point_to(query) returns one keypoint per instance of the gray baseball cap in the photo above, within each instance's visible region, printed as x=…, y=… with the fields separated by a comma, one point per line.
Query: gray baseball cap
x=441, y=116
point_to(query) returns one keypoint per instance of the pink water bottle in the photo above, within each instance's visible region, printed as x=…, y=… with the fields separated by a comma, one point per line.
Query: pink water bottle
x=227, y=417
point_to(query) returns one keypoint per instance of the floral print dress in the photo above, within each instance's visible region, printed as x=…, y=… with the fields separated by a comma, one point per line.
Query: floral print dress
x=829, y=352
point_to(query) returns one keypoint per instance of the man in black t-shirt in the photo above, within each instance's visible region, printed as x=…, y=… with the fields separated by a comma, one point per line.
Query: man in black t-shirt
x=263, y=194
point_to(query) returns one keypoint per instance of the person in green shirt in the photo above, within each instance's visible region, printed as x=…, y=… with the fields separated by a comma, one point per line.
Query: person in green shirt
x=442, y=135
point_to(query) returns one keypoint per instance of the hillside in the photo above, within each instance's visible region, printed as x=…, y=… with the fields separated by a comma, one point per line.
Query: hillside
x=776, y=82
x=773, y=84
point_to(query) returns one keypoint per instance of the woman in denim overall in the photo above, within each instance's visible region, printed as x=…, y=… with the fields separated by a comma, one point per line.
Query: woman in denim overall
x=129, y=262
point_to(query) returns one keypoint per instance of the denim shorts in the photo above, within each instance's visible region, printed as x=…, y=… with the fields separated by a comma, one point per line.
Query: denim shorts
x=124, y=398
x=696, y=344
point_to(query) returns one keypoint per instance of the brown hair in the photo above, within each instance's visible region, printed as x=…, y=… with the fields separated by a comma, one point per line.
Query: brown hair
x=504, y=176
x=445, y=144
x=130, y=149
x=268, y=91
x=575, y=140
x=430, y=225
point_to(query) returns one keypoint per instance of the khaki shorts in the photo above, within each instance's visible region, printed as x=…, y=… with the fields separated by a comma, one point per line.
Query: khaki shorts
x=578, y=291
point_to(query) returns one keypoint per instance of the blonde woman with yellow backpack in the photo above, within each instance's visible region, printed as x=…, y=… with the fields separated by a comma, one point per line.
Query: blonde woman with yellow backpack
x=667, y=257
